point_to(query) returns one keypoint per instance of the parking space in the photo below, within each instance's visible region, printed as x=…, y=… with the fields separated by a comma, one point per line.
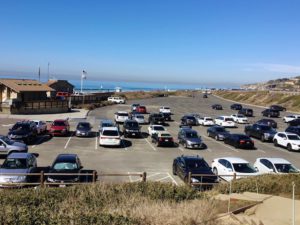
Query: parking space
x=140, y=154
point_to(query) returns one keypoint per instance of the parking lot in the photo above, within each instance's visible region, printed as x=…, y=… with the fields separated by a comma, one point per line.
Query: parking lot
x=139, y=154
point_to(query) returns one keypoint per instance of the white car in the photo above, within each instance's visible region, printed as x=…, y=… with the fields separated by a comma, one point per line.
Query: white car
x=165, y=109
x=139, y=118
x=289, y=118
x=274, y=165
x=239, y=118
x=121, y=116
x=154, y=129
x=224, y=121
x=41, y=126
x=205, y=121
x=109, y=136
x=227, y=167
x=288, y=140
x=117, y=100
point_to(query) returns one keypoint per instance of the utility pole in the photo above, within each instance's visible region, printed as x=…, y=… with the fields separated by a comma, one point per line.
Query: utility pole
x=39, y=74
x=48, y=71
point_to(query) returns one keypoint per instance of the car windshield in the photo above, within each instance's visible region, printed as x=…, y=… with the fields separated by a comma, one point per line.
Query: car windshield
x=166, y=108
x=19, y=126
x=197, y=164
x=7, y=140
x=191, y=135
x=132, y=124
x=158, y=128
x=122, y=114
x=58, y=123
x=220, y=129
x=240, y=116
x=243, y=168
x=165, y=135
x=190, y=117
x=285, y=168
x=83, y=126
x=267, y=128
x=293, y=137
x=65, y=166
x=228, y=119
x=14, y=164
x=110, y=133
x=208, y=119
x=139, y=117
x=107, y=125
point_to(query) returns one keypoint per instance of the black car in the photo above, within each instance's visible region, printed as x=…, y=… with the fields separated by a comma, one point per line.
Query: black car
x=84, y=129
x=217, y=132
x=278, y=107
x=163, y=138
x=189, y=138
x=183, y=165
x=217, y=107
x=25, y=131
x=295, y=122
x=267, y=122
x=131, y=128
x=68, y=164
x=246, y=112
x=167, y=116
x=189, y=120
x=236, y=106
x=156, y=118
x=239, y=141
x=293, y=129
x=270, y=113
x=205, y=96
x=263, y=132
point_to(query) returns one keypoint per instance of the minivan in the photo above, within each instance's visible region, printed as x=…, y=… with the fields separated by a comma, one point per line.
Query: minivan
x=246, y=112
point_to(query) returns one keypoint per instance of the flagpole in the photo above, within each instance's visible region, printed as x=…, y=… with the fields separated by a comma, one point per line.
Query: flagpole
x=81, y=81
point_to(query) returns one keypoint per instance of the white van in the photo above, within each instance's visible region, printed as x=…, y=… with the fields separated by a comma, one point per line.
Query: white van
x=117, y=100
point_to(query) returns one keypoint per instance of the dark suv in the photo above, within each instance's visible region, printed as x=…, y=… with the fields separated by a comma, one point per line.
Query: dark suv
x=270, y=113
x=25, y=131
x=189, y=120
x=189, y=138
x=156, y=118
x=278, y=107
x=236, y=106
x=246, y=112
x=131, y=128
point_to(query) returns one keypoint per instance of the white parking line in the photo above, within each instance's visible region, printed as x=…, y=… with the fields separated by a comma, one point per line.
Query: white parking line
x=221, y=143
x=68, y=141
x=174, y=181
x=181, y=149
x=130, y=178
x=150, y=144
x=7, y=125
x=152, y=175
x=208, y=149
x=276, y=148
x=96, y=142
x=33, y=146
x=259, y=150
x=163, y=178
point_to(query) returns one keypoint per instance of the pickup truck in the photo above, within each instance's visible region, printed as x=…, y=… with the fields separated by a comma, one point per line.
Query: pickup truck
x=263, y=132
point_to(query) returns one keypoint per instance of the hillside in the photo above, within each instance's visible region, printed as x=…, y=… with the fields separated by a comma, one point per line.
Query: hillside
x=263, y=98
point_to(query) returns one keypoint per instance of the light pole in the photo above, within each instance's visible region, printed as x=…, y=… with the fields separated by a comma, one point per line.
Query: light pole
x=83, y=77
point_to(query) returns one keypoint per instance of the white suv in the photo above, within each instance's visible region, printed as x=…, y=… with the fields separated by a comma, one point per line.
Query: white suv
x=224, y=121
x=288, y=140
x=109, y=136
x=205, y=121
x=165, y=109
x=121, y=116
x=289, y=118
x=117, y=100
x=239, y=118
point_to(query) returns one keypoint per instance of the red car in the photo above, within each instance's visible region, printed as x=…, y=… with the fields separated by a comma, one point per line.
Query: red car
x=60, y=128
x=141, y=109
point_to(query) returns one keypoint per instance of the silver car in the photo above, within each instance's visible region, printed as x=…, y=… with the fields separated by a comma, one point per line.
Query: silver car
x=8, y=146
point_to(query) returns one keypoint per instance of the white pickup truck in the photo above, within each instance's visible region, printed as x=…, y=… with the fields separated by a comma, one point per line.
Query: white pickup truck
x=117, y=100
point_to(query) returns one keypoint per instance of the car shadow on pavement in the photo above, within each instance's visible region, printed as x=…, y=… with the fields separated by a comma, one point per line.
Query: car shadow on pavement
x=125, y=143
x=42, y=139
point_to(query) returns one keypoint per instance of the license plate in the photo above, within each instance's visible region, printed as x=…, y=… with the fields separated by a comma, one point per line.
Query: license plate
x=196, y=146
x=62, y=185
x=83, y=133
x=133, y=134
x=166, y=140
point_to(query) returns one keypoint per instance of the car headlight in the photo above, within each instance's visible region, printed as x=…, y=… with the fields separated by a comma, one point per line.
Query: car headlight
x=20, y=178
x=194, y=180
x=50, y=179
x=76, y=179
x=221, y=135
x=267, y=135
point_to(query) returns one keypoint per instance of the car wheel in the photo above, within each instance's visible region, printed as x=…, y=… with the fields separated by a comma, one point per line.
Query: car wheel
x=289, y=147
x=215, y=171
x=185, y=145
x=174, y=170
x=275, y=142
x=208, y=134
x=262, y=138
x=216, y=137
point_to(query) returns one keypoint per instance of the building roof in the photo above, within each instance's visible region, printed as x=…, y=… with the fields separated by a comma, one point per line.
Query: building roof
x=25, y=85
x=51, y=82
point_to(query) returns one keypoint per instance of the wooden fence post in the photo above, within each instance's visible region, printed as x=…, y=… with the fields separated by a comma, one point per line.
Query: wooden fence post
x=190, y=179
x=42, y=177
x=144, y=177
x=234, y=176
x=94, y=176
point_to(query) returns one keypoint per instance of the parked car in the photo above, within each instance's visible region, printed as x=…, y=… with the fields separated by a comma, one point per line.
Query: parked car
x=183, y=165
x=156, y=118
x=109, y=136
x=239, y=141
x=141, y=109
x=224, y=121
x=288, y=140
x=293, y=129
x=163, y=138
x=106, y=123
x=217, y=132
x=205, y=96
x=274, y=165
x=41, y=126
x=16, y=170
x=267, y=122
x=165, y=109
x=121, y=116
x=228, y=167
x=295, y=122
x=68, y=164
x=167, y=116
x=278, y=107
x=117, y=100
x=60, y=128
x=131, y=128
x=289, y=118
x=84, y=129
x=134, y=106
x=236, y=106
x=189, y=138
x=138, y=117
x=270, y=113
x=189, y=120
x=246, y=112
x=263, y=132
x=217, y=107
x=152, y=129
x=239, y=118
x=8, y=146
x=205, y=121
x=23, y=131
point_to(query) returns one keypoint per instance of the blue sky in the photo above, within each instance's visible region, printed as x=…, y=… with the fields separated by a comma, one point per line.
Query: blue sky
x=205, y=42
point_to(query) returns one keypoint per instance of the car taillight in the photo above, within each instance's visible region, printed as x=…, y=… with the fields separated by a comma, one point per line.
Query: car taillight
x=171, y=139
x=242, y=141
x=160, y=139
